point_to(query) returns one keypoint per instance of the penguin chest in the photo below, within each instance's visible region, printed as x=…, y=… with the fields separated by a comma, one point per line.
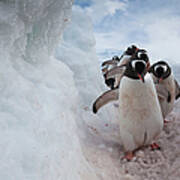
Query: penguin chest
x=137, y=98
x=139, y=110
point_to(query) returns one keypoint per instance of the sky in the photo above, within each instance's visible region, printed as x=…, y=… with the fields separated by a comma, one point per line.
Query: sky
x=150, y=24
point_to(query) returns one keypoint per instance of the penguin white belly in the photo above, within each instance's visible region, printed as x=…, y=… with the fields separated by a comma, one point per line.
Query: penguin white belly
x=140, y=114
x=166, y=88
x=166, y=106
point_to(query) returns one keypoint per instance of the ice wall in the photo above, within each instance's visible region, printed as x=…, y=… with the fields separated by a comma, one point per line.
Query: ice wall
x=98, y=133
x=77, y=51
x=38, y=96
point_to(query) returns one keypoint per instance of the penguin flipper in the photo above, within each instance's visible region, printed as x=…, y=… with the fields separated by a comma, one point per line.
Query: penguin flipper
x=107, y=65
x=109, y=62
x=108, y=96
x=119, y=70
x=177, y=89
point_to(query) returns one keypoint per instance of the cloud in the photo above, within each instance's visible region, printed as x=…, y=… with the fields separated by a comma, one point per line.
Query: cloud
x=164, y=38
x=113, y=6
x=151, y=25
x=99, y=9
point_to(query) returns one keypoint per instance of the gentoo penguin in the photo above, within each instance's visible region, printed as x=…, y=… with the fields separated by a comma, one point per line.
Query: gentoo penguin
x=140, y=116
x=113, y=80
x=167, y=87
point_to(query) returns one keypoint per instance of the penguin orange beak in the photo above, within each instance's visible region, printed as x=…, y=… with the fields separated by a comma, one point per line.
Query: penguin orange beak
x=148, y=66
x=137, y=49
x=141, y=77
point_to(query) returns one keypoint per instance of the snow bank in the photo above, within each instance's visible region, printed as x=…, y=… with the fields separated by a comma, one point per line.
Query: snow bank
x=77, y=51
x=38, y=97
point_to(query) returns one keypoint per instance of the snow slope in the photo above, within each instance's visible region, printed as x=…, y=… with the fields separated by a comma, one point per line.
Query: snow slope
x=37, y=126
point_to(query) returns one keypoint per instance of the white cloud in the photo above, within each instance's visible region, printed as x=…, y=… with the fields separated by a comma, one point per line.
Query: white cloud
x=113, y=6
x=155, y=28
x=160, y=33
x=100, y=9
x=112, y=40
x=163, y=32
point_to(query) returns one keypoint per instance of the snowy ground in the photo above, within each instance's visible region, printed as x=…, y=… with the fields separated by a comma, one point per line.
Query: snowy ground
x=106, y=154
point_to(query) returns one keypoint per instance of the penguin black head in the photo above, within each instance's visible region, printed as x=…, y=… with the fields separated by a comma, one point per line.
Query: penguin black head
x=131, y=50
x=161, y=70
x=138, y=65
x=136, y=69
x=137, y=53
x=134, y=50
x=141, y=54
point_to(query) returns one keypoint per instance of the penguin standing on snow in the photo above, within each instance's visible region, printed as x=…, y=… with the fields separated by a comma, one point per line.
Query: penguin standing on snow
x=140, y=114
x=167, y=87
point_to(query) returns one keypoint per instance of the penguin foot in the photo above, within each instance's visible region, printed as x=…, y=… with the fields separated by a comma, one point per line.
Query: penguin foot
x=129, y=156
x=155, y=146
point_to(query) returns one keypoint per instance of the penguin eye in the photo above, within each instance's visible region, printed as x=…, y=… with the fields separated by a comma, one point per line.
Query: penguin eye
x=133, y=63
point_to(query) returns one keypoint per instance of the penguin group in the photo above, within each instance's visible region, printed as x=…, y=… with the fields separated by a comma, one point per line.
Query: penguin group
x=146, y=94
